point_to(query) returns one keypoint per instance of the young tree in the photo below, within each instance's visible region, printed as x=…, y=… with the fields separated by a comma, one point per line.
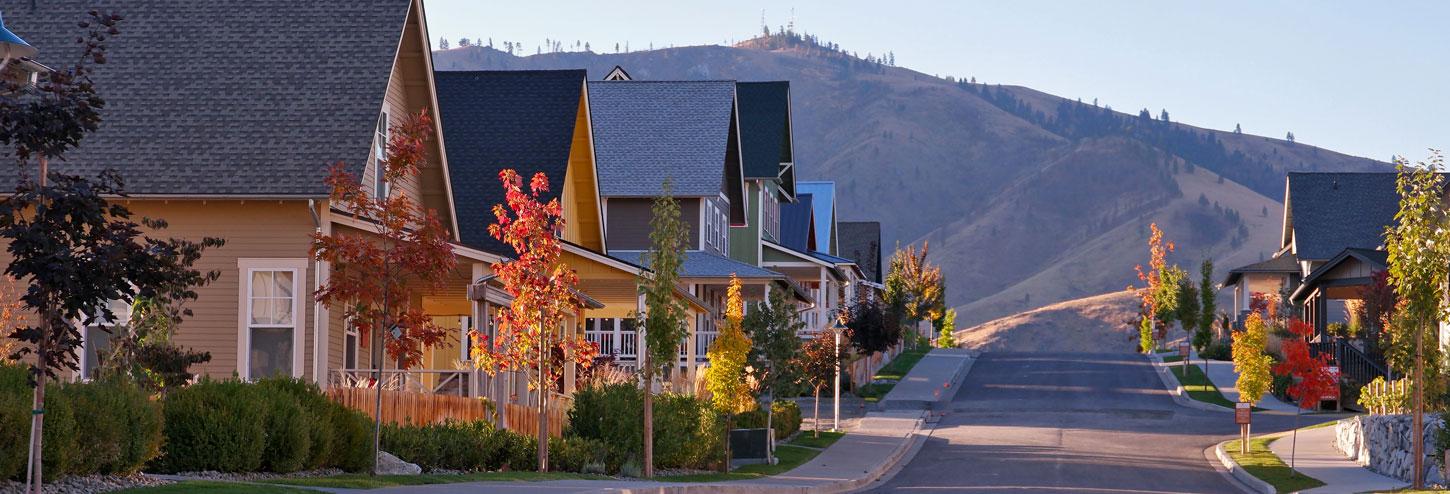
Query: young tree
x=1312, y=381
x=1153, y=284
x=948, y=325
x=725, y=377
x=531, y=331
x=916, y=286
x=874, y=328
x=1419, y=263
x=665, y=319
x=373, y=276
x=774, y=327
x=74, y=249
x=1250, y=362
x=1207, y=308
x=818, y=362
x=1187, y=311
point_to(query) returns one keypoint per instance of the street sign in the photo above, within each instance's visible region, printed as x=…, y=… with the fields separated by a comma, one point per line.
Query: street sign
x=1243, y=413
x=1183, y=350
x=1334, y=391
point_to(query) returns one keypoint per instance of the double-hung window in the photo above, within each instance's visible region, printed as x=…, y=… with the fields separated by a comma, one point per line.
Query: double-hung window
x=380, y=157
x=96, y=337
x=271, y=317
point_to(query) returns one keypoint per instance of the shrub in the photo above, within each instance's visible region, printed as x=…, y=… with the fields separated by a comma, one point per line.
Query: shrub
x=466, y=446
x=120, y=425
x=612, y=414
x=316, y=409
x=1218, y=350
x=577, y=454
x=520, y=453
x=785, y=419
x=687, y=432
x=14, y=421
x=214, y=425
x=352, y=437
x=288, y=431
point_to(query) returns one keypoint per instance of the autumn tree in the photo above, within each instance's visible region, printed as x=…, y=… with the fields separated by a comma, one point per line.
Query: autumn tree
x=873, y=326
x=1311, y=380
x=915, y=286
x=73, y=248
x=1419, y=263
x=819, y=361
x=665, y=317
x=531, y=330
x=725, y=377
x=373, y=276
x=1250, y=362
x=1152, y=293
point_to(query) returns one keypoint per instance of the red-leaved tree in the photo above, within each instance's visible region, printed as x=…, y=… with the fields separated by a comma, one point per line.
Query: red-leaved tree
x=1312, y=380
x=374, y=276
x=531, y=330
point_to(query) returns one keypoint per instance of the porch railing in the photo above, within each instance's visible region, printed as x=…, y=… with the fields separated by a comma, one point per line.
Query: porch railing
x=432, y=381
x=1354, y=365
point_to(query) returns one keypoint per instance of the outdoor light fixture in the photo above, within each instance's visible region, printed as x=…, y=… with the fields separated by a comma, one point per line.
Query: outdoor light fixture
x=836, y=389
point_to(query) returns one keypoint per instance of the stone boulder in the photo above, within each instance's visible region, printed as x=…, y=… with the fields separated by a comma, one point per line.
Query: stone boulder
x=1382, y=443
x=392, y=465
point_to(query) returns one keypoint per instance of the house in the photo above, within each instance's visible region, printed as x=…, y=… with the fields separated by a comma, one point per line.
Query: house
x=767, y=151
x=1271, y=277
x=226, y=125
x=687, y=133
x=861, y=240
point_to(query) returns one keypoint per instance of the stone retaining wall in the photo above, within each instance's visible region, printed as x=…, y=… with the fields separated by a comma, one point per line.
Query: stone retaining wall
x=1382, y=444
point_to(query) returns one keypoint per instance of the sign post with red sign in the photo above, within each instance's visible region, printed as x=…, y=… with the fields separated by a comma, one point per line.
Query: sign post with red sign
x=1333, y=371
x=1243, y=416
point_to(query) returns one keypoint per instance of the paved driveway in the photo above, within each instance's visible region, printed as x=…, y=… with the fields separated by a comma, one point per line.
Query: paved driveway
x=1063, y=422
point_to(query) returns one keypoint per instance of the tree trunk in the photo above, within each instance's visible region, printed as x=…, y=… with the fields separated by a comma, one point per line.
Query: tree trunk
x=378, y=355
x=816, y=427
x=545, y=386
x=37, y=418
x=649, y=418
x=729, y=424
x=1417, y=428
x=770, y=429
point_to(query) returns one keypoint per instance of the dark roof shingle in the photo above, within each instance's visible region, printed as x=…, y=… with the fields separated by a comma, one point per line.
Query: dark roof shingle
x=647, y=131
x=861, y=241
x=764, y=127
x=206, y=97
x=1331, y=212
x=494, y=120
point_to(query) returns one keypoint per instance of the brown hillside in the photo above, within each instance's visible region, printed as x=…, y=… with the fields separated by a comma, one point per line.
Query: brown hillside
x=1097, y=324
x=1019, y=214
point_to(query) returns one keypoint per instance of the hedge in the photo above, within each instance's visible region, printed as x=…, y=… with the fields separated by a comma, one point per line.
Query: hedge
x=101, y=427
x=277, y=425
x=785, y=419
x=687, y=431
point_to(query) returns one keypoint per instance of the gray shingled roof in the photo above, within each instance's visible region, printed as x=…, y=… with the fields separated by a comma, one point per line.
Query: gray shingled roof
x=796, y=229
x=1330, y=212
x=861, y=240
x=494, y=120
x=701, y=264
x=208, y=97
x=1284, y=263
x=646, y=131
x=764, y=127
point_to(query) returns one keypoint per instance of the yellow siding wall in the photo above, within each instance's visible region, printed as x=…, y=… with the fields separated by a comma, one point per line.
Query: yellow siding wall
x=252, y=229
x=580, y=196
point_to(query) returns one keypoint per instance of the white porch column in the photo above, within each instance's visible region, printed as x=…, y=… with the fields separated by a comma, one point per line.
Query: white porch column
x=691, y=341
x=823, y=299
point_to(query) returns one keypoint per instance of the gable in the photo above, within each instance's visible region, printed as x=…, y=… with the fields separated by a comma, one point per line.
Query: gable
x=649, y=131
x=583, y=216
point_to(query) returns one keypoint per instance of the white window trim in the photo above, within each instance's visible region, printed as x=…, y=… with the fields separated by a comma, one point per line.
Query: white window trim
x=348, y=329
x=245, y=267
x=381, y=135
x=80, y=325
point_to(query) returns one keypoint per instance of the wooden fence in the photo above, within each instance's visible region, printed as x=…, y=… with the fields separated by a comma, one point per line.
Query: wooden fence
x=1387, y=397
x=406, y=407
x=524, y=419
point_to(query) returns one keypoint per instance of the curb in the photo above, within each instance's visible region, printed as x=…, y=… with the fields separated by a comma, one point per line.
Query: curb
x=1176, y=389
x=1240, y=474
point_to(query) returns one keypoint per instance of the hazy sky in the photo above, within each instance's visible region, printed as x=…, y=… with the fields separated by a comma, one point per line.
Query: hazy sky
x=1356, y=77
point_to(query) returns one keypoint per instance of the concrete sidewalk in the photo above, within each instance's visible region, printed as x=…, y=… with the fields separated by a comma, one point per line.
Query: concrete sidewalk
x=1316, y=457
x=933, y=380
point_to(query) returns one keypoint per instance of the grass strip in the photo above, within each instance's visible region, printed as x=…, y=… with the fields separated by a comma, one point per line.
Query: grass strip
x=364, y=481
x=214, y=487
x=1262, y=463
x=895, y=370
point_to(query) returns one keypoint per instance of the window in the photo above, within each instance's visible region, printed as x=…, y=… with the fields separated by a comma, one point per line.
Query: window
x=380, y=155
x=724, y=231
x=271, y=296
x=707, y=233
x=96, y=338
x=350, y=341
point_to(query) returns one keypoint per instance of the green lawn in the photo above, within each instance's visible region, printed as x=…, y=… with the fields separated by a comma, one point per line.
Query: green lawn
x=1173, y=358
x=827, y=438
x=364, y=481
x=211, y=487
x=1261, y=463
x=1199, y=387
x=895, y=369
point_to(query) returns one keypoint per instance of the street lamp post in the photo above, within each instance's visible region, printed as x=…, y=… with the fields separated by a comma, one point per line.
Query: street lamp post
x=836, y=389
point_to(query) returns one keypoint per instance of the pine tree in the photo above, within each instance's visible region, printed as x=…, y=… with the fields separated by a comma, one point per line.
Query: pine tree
x=1238, y=129
x=442, y=43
